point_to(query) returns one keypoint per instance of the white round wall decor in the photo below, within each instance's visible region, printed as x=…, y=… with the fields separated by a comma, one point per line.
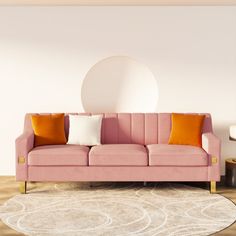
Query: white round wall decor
x=119, y=84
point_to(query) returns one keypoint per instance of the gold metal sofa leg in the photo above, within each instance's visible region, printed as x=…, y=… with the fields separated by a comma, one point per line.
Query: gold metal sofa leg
x=23, y=187
x=213, y=186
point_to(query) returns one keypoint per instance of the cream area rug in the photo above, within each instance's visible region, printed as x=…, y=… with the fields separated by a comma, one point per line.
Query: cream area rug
x=118, y=209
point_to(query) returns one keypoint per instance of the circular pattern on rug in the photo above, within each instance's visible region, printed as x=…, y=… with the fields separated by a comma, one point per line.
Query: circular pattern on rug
x=73, y=209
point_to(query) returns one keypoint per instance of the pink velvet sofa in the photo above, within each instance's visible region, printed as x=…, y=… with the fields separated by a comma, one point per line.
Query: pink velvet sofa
x=134, y=148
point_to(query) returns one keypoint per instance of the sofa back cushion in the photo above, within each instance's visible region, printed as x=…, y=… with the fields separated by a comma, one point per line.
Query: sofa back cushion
x=136, y=128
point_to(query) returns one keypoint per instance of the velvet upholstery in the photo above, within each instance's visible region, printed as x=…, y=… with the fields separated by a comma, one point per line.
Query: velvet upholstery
x=118, y=173
x=176, y=155
x=212, y=145
x=61, y=155
x=147, y=158
x=132, y=128
x=23, y=145
x=118, y=155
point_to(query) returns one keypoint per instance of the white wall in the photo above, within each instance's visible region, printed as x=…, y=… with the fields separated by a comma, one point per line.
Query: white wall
x=45, y=53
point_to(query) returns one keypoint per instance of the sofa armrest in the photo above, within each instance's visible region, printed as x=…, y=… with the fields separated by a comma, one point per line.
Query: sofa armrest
x=24, y=143
x=212, y=145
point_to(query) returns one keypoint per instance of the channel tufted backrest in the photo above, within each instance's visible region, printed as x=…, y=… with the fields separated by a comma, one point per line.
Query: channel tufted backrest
x=130, y=128
x=138, y=128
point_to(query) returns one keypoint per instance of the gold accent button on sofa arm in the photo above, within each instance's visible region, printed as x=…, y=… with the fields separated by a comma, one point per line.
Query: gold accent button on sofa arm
x=214, y=160
x=21, y=160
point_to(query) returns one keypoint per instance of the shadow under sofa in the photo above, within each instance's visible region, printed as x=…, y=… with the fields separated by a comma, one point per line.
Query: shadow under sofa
x=134, y=148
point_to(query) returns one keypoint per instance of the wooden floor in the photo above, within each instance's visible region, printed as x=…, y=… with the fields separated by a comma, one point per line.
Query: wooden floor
x=9, y=188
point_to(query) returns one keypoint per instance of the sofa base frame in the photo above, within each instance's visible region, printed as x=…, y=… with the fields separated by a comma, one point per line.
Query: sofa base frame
x=23, y=186
x=120, y=174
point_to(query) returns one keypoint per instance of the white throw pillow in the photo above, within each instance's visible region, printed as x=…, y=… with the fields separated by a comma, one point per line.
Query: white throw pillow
x=85, y=130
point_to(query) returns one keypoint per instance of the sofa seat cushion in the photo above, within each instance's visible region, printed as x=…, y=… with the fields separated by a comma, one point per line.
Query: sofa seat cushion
x=176, y=155
x=118, y=155
x=59, y=155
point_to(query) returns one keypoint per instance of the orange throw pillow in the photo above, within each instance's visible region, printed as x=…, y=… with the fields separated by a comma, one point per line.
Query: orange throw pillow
x=186, y=129
x=48, y=129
